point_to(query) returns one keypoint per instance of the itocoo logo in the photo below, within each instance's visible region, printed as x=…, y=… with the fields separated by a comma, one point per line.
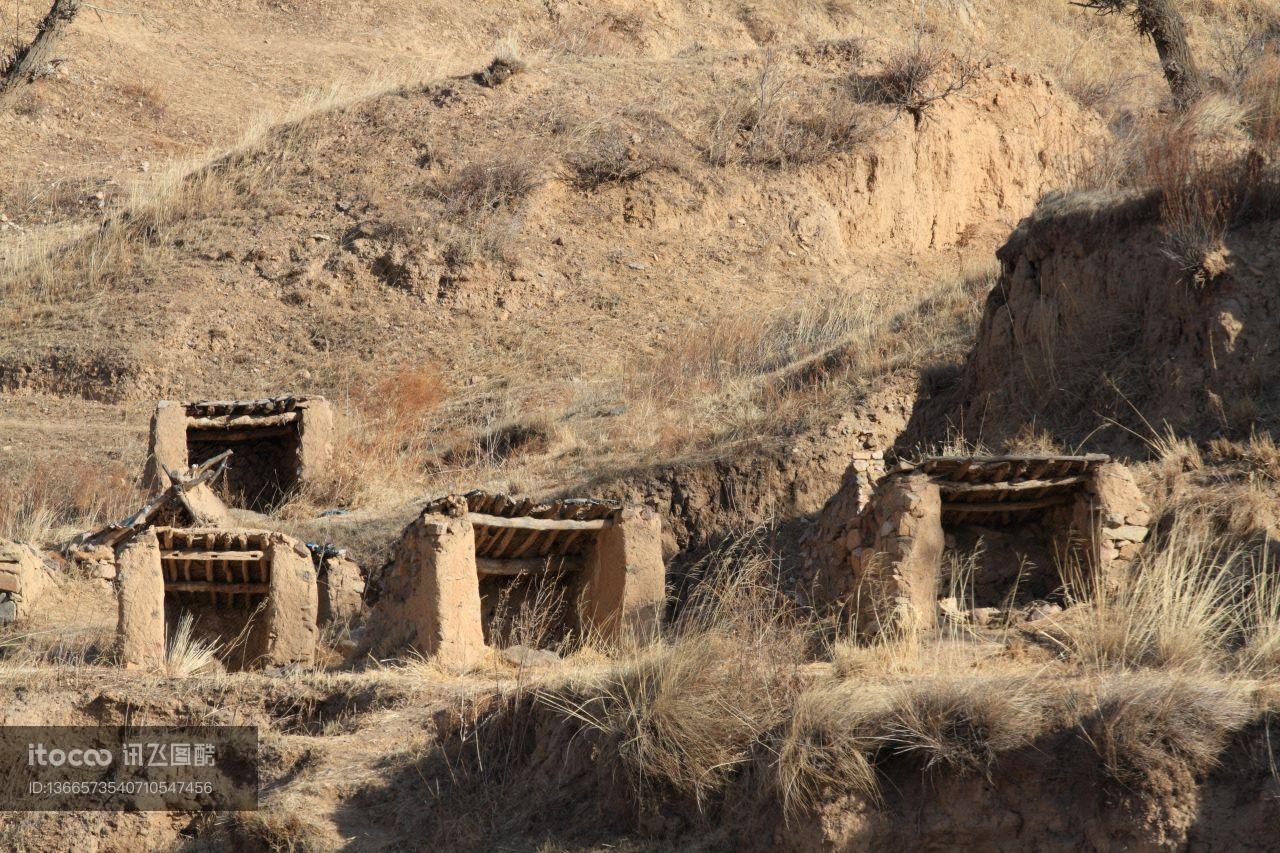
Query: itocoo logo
x=38, y=755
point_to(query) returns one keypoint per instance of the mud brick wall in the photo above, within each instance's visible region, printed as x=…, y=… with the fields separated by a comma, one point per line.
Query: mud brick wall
x=261, y=612
x=23, y=580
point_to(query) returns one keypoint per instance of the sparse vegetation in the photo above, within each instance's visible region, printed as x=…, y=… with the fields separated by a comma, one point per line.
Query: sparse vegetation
x=777, y=123
x=922, y=74
x=688, y=230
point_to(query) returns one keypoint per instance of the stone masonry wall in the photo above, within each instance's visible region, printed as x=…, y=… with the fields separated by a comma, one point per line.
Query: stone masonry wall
x=896, y=555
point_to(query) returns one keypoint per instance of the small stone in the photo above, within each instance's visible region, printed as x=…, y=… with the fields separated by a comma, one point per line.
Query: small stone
x=951, y=611
x=1037, y=610
x=1127, y=533
x=984, y=617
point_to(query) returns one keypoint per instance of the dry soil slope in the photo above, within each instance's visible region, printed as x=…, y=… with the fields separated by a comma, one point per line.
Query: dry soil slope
x=471, y=228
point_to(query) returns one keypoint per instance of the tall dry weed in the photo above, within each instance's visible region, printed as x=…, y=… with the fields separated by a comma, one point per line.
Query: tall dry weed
x=686, y=713
x=1172, y=609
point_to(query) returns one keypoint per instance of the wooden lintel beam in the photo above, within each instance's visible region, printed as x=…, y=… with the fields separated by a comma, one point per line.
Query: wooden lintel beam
x=216, y=587
x=948, y=488
x=525, y=523
x=1003, y=506
x=242, y=421
x=487, y=566
x=220, y=436
x=214, y=556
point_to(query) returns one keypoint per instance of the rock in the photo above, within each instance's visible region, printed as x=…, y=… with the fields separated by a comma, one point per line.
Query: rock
x=984, y=617
x=523, y=656
x=951, y=611
x=1037, y=610
x=1128, y=533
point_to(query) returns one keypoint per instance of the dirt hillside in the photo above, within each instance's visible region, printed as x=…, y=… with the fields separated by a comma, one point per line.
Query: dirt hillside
x=1097, y=334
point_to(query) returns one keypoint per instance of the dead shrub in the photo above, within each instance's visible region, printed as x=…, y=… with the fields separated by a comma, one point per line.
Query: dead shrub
x=915, y=78
x=506, y=63
x=1154, y=728
x=777, y=123
x=489, y=185
x=622, y=148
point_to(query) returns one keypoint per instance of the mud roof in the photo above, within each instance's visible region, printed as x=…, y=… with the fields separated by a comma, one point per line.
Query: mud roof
x=1001, y=489
x=544, y=528
x=224, y=408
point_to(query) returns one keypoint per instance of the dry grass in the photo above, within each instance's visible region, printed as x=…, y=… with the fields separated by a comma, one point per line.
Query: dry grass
x=1175, y=609
x=185, y=653
x=687, y=712
x=45, y=503
x=965, y=723
x=1158, y=726
x=778, y=122
x=829, y=748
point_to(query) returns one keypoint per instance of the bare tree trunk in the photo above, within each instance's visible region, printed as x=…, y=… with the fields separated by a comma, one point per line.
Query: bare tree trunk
x=31, y=60
x=1160, y=20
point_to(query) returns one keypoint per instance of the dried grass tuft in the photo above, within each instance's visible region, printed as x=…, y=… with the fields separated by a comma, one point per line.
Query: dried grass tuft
x=1159, y=726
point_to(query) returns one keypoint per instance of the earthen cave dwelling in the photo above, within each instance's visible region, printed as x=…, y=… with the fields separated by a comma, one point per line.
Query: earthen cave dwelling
x=277, y=444
x=252, y=591
x=466, y=553
x=1021, y=526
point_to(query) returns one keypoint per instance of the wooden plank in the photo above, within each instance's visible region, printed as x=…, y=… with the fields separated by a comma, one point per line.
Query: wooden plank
x=1008, y=506
x=223, y=436
x=487, y=566
x=216, y=587
x=531, y=539
x=498, y=547
x=1009, y=487
x=213, y=556
x=538, y=523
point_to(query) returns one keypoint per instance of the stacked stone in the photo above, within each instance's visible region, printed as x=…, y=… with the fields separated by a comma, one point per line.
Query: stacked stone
x=23, y=579
x=98, y=562
x=1122, y=517
x=896, y=552
x=827, y=546
x=867, y=468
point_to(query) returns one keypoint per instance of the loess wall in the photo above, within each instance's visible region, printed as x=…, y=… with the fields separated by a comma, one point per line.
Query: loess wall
x=1091, y=320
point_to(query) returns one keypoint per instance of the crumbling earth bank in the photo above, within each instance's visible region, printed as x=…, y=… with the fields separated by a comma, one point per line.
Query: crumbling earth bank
x=565, y=781
x=1092, y=319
